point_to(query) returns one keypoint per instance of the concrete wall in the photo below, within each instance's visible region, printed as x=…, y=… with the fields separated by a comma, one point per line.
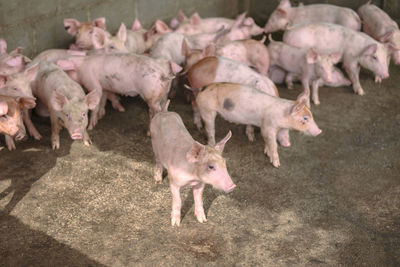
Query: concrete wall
x=38, y=24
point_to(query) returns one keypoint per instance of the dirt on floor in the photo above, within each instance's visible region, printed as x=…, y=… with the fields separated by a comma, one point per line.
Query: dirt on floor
x=335, y=200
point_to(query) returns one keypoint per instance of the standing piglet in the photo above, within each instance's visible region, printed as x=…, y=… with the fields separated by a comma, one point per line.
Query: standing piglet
x=188, y=162
x=83, y=32
x=285, y=16
x=356, y=48
x=19, y=85
x=242, y=104
x=11, y=124
x=65, y=101
x=309, y=65
x=125, y=74
x=382, y=28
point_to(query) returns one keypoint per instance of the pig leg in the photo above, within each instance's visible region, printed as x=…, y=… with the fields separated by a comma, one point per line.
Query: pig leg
x=315, y=87
x=198, y=203
x=158, y=169
x=10, y=142
x=289, y=80
x=271, y=147
x=209, y=123
x=114, y=99
x=283, y=137
x=31, y=128
x=86, y=139
x=250, y=133
x=154, y=107
x=55, y=131
x=353, y=71
x=196, y=115
x=102, y=106
x=306, y=89
x=176, y=205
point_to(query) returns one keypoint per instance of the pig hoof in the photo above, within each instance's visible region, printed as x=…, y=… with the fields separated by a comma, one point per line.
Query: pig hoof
x=11, y=147
x=276, y=163
x=316, y=102
x=361, y=92
x=175, y=220
x=87, y=142
x=251, y=138
x=285, y=144
x=148, y=133
x=121, y=109
x=290, y=86
x=56, y=146
x=157, y=181
x=201, y=218
x=378, y=79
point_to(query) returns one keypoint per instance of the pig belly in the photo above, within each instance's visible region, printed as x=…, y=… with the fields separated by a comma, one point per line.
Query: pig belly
x=240, y=117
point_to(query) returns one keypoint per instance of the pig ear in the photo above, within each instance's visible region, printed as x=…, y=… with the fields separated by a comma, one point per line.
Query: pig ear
x=281, y=12
x=336, y=57
x=66, y=64
x=181, y=16
x=136, y=25
x=385, y=37
x=98, y=38
x=195, y=19
x=175, y=67
x=121, y=34
x=209, y=50
x=285, y=4
x=3, y=108
x=391, y=47
x=185, y=48
x=15, y=61
x=26, y=102
x=370, y=50
x=31, y=72
x=17, y=51
x=92, y=99
x=161, y=27
x=298, y=106
x=3, y=46
x=58, y=100
x=71, y=25
x=174, y=23
x=311, y=56
x=221, y=144
x=248, y=22
x=196, y=152
x=100, y=22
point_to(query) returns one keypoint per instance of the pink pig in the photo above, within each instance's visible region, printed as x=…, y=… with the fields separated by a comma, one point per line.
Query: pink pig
x=12, y=62
x=382, y=28
x=83, y=31
x=356, y=48
x=188, y=162
x=286, y=16
x=243, y=104
x=126, y=74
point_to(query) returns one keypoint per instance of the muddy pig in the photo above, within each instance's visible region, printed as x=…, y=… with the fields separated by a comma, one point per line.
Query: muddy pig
x=126, y=74
x=11, y=124
x=188, y=162
x=243, y=104
x=356, y=48
x=285, y=16
x=65, y=102
x=309, y=65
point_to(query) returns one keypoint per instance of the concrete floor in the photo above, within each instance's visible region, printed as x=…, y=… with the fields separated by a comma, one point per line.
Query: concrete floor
x=335, y=200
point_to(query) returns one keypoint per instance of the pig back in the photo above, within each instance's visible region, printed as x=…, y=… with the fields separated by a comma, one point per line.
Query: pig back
x=375, y=21
x=170, y=139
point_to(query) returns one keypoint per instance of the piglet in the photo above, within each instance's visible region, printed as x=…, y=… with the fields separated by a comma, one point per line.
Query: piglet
x=65, y=101
x=285, y=16
x=12, y=62
x=11, y=124
x=188, y=162
x=309, y=65
x=243, y=104
x=83, y=31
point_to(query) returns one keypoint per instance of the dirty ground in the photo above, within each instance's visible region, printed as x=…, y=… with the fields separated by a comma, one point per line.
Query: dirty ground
x=335, y=200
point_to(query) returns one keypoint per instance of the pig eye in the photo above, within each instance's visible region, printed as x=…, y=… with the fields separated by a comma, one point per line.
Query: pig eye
x=305, y=119
x=211, y=167
x=83, y=114
x=90, y=32
x=374, y=57
x=15, y=88
x=112, y=47
x=67, y=115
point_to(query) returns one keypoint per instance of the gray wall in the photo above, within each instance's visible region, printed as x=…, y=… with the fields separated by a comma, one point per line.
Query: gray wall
x=38, y=24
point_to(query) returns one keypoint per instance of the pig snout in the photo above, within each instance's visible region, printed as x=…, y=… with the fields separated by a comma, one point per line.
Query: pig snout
x=226, y=184
x=20, y=135
x=77, y=135
x=229, y=188
x=314, y=130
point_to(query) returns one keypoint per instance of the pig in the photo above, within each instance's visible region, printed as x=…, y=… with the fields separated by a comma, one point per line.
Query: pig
x=65, y=102
x=83, y=31
x=188, y=162
x=286, y=16
x=104, y=43
x=126, y=74
x=19, y=85
x=11, y=124
x=243, y=104
x=305, y=62
x=12, y=62
x=357, y=48
x=250, y=52
x=218, y=69
x=196, y=24
x=382, y=28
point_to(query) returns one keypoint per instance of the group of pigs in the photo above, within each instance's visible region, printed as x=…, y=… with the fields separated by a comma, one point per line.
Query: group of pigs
x=227, y=72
